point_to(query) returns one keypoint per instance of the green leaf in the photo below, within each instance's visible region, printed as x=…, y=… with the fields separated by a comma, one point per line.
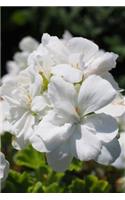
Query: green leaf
x=54, y=187
x=93, y=184
x=53, y=177
x=102, y=186
x=30, y=158
x=90, y=180
x=37, y=188
x=77, y=186
x=17, y=182
x=76, y=165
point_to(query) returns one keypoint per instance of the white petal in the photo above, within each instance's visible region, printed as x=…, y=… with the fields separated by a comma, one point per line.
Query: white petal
x=63, y=96
x=19, y=143
x=101, y=64
x=111, y=79
x=105, y=126
x=7, y=91
x=84, y=144
x=33, y=81
x=56, y=48
x=76, y=61
x=60, y=158
x=67, y=72
x=22, y=130
x=41, y=61
x=5, y=126
x=116, y=108
x=21, y=59
x=36, y=86
x=92, y=96
x=52, y=135
x=54, y=117
x=28, y=44
x=120, y=161
x=109, y=153
x=16, y=112
x=113, y=110
x=12, y=68
x=4, y=110
x=66, y=36
x=8, y=77
x=38, y=143
x=79, y=44
x=39, y=103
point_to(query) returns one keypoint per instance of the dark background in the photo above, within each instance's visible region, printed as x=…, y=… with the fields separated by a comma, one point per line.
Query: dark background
x=103, y=25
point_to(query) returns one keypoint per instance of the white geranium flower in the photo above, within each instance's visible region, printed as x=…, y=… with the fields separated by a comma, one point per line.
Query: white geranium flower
x=4, y=168
x=27, y=105
x=72, y=128
x=19, y=63
x=79, y=57
x=120, y=162
x=116, y=108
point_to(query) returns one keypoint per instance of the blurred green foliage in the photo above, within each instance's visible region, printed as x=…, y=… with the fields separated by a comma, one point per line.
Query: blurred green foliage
x=29, y=158
x=36, y=176
x=30, y=173
x=105, y=26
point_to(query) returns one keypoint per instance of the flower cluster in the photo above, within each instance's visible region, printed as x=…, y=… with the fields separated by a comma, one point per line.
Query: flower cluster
x=60, y=97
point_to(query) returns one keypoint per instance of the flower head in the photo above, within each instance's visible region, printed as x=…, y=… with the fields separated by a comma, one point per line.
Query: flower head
x=57, y=93
x=27, y=104
x=72, y=129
